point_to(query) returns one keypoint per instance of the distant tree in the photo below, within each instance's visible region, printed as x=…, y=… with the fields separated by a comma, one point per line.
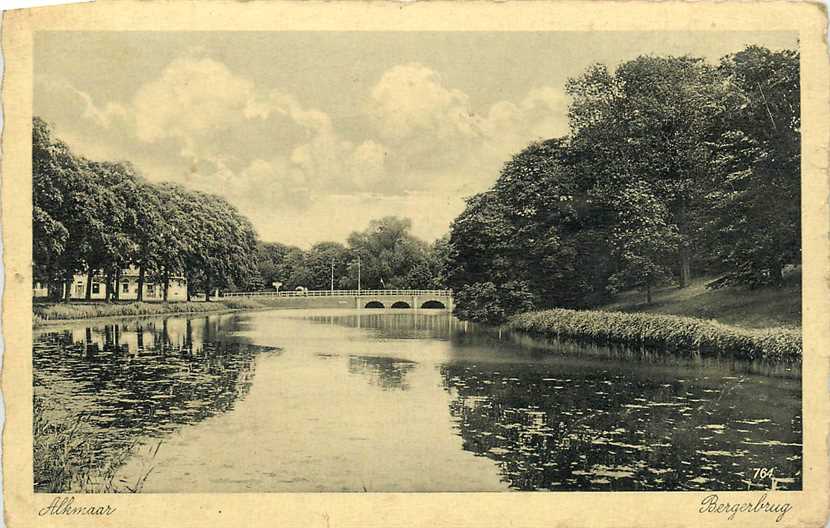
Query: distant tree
x=388, y=252
x=321, y=262
x=430, y=273
x=269, y=258
x=292, y=268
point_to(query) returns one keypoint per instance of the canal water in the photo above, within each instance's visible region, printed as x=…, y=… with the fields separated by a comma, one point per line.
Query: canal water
x=388, y=400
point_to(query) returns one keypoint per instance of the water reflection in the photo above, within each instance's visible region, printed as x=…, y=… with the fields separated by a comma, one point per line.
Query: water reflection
x=577, y=428
x=409, y=324
x=415, y=401
x=564, y=416
x=143, y=379
x=385, y=372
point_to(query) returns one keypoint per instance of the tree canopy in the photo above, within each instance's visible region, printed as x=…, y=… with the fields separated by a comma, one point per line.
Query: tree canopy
x=673, y=166
x=100, y=217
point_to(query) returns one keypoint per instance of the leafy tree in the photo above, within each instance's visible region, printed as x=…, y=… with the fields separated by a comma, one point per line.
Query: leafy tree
x=52, y=166
x=322, y=262
x=103, y=216
x=754, y=223
x=430, y=273
x=539, y=225
x=643, y=241
x=387, y=251
x=480, y=243
x=68, y=203
x=652, y=120
x=118, y=247
x=489, y=303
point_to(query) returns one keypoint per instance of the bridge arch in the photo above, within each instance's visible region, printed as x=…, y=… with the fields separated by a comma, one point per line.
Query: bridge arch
x=433, y=304
x=401, y=304
x=374, y=304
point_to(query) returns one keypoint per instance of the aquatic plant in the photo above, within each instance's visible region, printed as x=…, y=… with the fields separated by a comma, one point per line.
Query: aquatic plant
x=684, y=335
x=66, y=456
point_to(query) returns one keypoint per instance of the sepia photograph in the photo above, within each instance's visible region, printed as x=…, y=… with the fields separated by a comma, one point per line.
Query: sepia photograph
x=416, y=261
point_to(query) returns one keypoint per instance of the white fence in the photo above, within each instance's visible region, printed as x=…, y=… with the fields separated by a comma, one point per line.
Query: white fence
x=342, y=293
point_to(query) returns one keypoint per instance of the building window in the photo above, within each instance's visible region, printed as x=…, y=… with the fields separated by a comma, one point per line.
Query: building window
x=79, y=290
x=96, y=288
x=151, y=290
x=125, y=287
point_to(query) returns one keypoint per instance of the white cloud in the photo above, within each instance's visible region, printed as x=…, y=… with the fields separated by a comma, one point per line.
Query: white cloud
x=411, y=99
x=203, y=125
x=434, y=134
x=192, y=97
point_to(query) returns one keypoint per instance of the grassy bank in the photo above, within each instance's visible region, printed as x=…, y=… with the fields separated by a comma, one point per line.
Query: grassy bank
x=67, y=456
x=63, y=312
x=738, y=306
x=682, y=335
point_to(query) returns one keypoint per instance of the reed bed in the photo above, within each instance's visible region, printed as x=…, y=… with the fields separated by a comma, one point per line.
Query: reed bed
x=67, y=456
x=43, y=313
x=676, y=334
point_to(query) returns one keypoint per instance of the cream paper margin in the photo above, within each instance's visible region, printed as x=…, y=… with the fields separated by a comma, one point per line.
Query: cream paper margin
x=332, y=510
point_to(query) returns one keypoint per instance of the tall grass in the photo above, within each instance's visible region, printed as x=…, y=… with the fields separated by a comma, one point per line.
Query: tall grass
x=683, y=335
x=61, y=312
x=44, y=312
x=67, y=456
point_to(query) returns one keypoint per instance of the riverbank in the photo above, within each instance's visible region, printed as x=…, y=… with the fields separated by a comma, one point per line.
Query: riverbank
x=673, y=333
x=66, y=455
x=736, y=306
x=45, y=314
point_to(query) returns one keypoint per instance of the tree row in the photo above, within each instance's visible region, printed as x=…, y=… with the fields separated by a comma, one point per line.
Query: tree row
x=99, y=218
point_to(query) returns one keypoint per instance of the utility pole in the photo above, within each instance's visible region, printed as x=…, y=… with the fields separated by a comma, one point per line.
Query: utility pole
x=358, y=275
x=332, y=276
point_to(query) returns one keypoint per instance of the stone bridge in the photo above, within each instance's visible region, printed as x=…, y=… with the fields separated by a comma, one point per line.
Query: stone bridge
x=399, y=299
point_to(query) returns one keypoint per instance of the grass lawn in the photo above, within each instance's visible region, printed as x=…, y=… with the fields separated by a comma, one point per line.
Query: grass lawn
x=760, y=308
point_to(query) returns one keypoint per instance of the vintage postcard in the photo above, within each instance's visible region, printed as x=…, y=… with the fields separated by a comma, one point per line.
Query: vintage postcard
x=431, y=264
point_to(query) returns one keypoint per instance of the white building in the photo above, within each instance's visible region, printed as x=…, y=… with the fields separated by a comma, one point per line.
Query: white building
x=127, y=287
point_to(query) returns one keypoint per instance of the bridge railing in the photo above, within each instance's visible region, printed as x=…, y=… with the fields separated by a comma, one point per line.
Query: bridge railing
x=341, y=293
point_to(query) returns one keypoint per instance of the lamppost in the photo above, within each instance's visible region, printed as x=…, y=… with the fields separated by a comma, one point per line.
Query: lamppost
x=358, y=275
x=332, y=276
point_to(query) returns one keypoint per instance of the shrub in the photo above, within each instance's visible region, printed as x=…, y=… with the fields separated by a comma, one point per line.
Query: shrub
x=485, y=302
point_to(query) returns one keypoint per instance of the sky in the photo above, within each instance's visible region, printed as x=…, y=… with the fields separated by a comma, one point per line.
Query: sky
x=313, y=134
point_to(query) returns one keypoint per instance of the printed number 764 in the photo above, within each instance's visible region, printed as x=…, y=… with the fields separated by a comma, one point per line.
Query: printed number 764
x=763, y=473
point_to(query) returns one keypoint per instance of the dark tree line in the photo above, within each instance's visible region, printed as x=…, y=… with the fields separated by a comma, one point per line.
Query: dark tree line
x=101, y=217
x=390, y=258
x=673, y=167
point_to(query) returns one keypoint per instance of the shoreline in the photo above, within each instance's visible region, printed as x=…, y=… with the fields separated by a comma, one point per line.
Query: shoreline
x=67, y=314
x=663, y=333
x=658, y=332
x=45, y=323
